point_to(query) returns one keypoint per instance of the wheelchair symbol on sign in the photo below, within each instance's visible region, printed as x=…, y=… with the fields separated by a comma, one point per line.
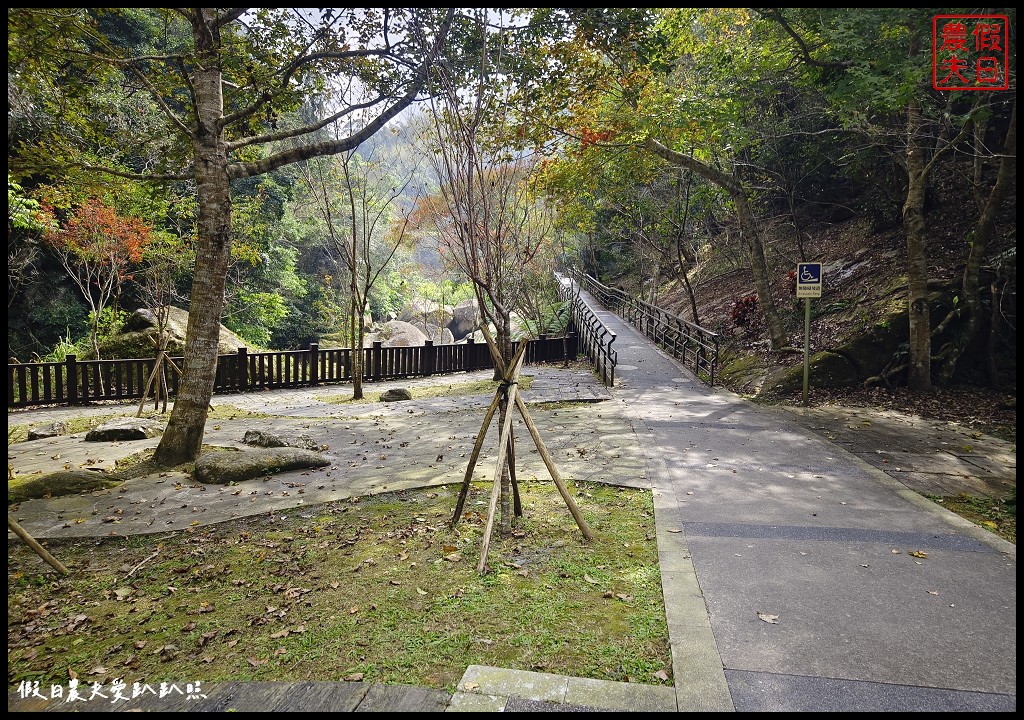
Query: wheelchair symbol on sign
x=807, y=275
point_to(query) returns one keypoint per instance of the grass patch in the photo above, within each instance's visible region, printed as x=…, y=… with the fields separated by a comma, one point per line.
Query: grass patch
x=993, y=514
x=380, y=587
x=440, y=390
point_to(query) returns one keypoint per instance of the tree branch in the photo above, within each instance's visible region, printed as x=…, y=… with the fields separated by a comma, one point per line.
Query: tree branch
x=331, y=147
x=230, y=15
x=776, y=15
x=304, y=130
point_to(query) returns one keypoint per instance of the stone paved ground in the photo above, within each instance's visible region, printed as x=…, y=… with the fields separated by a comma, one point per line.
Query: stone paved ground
x=374, y=447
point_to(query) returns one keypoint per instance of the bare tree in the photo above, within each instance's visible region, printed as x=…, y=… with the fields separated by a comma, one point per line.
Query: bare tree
x=487, y=218
x=365, y=227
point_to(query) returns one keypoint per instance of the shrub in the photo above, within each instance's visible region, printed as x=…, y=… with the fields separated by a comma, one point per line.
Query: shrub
x=744, y=312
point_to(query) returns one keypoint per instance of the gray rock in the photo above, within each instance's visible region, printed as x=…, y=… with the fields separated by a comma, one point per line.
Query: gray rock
x=126, y=429
x=420, y=311
x=62, y=482
x=466, y=318
x=221, y=468
x=140, y=330
x=263, y=438
x=396, y=395
x=437, y=335
x=401, y=334
x=48, y=431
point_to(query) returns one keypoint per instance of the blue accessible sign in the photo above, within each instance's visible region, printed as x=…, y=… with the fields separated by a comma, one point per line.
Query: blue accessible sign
x=808, y=280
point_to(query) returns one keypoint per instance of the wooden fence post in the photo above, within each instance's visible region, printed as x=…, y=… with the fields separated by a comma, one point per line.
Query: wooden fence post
x=314, y=363
x=428, y=358
x=376, y=366
x=242, y=369
x=70, y=362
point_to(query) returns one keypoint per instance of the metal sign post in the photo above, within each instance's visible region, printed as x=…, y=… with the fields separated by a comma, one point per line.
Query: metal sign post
x=808, y=285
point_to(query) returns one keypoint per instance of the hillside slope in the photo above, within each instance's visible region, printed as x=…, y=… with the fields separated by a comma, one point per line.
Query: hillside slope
x=859, y=325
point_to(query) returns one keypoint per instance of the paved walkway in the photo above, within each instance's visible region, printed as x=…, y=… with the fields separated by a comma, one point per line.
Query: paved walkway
x=786, y=556
x=798, y=577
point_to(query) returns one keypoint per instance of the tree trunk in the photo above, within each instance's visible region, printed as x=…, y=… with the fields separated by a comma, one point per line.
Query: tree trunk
x=984, y=231
x=995, y=320
x=503, y=330
x=748, y=228
x=183, y=438
x=356, y=343
x=759, y=267
x=919, y=370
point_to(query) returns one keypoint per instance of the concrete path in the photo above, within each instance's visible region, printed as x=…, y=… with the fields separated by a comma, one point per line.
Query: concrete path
x=797, y=574
x=797, y=577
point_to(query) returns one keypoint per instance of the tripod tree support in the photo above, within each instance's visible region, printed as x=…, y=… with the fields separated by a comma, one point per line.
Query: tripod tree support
x=508, y=391
x=510, y=386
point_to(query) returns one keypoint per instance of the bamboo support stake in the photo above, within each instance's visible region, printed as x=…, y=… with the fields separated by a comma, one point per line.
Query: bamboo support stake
x=513, y=386
x=474, y=456
x=39, y=549
x=553, y=471
x=157, y=364
x=517, y=501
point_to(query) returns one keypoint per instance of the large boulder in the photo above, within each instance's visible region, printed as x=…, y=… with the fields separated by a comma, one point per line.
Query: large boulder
x=136, y=340
x=49, y=430
x=437, y=335
x=221, y=468
x=396, y=333
x=466, y=318
x=825, y=370
x=396, y=395
x=419, y=311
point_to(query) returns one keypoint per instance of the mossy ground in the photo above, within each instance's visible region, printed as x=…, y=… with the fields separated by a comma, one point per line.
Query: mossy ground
x=380, y=588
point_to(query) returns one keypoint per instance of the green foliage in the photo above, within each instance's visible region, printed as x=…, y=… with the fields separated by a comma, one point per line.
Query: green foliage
x=256, y=315
x=110, y=321
x=65, y=346
x=552, y=321
x=22, y=211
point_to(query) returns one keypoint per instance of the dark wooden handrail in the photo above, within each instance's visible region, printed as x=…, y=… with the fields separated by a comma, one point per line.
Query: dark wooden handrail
x=595, y=338
x=695, y=346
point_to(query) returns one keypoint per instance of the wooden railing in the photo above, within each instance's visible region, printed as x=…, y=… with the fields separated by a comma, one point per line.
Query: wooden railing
x=695, y=346
x=595, y=340
x=80, y=381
